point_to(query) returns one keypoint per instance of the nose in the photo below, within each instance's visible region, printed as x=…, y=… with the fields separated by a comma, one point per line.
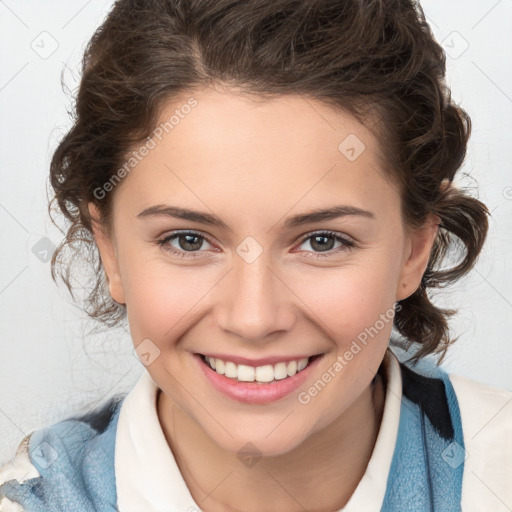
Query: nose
x=255, y=301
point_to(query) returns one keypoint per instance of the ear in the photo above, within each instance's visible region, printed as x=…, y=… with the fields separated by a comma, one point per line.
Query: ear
x=108, y=256
x=419, y=242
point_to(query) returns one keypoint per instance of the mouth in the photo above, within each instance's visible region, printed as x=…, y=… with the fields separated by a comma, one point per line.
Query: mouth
x=256, y=384
x=260, y=374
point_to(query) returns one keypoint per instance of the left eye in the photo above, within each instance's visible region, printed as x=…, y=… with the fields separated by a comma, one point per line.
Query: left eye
x=323, y=242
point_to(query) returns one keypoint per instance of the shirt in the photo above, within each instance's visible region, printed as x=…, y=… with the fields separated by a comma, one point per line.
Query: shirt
x=148, y=477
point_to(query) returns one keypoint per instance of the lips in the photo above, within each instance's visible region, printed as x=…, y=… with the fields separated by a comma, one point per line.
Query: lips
x=255, y=392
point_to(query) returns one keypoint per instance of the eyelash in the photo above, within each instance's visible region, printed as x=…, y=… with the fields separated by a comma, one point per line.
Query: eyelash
x=348, y=244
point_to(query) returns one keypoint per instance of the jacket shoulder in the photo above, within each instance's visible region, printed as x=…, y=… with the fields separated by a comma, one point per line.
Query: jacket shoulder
x=19, y=468
x=486, y=416
x=84, y=439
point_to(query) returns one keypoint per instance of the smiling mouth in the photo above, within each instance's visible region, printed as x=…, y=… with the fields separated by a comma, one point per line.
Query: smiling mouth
x=264, y=374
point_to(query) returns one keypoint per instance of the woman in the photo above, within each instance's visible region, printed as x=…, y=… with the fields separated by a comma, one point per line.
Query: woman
x=269, y=189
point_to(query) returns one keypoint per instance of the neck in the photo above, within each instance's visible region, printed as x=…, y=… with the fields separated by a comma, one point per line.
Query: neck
x=320, y=474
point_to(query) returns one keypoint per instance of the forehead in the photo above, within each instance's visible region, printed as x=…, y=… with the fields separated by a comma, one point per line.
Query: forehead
x=285, y=127
x=223, y=145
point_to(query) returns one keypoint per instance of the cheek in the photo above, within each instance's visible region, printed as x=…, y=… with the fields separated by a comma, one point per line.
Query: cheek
x=162, y=298
x=349, y=299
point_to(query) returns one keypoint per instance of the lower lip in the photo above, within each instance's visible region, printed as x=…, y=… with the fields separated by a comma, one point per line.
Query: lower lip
x=252, y=392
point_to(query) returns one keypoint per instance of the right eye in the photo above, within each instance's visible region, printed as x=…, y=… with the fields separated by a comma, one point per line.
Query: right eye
x=187, y=242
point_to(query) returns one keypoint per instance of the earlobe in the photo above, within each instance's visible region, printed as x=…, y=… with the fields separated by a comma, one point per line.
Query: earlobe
x=108, y=256
x=419, y=246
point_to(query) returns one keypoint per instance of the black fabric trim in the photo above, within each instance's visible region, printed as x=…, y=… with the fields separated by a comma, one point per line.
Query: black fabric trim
x=99, y=418
x=430, y=395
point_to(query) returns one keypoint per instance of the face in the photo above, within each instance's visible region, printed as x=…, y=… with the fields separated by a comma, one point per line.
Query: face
x=252, y=278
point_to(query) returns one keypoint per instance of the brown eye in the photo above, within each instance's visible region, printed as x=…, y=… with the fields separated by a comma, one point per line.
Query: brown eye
x=324, y=242
x=184, y=242
x=190, y=242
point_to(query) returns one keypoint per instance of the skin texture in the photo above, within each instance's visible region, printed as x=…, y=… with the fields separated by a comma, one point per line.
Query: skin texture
x=254, y=164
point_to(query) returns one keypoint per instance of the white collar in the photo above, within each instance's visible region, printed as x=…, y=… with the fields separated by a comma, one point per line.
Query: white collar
x=148, y=478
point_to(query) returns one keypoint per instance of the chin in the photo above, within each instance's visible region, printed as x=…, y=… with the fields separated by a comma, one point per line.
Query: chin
x=266, y=441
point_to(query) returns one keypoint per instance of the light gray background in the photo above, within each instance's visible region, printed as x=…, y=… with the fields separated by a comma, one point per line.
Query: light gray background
x=50, y=367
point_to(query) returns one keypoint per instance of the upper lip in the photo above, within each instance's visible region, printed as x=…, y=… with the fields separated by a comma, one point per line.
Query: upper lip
x=258, y=362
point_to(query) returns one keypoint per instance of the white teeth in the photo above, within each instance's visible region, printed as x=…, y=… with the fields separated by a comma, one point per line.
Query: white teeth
x=280, y=371
x=219, y=366
x=291, y=368
x=265, y=373
x=230, y=370
x=245, y=373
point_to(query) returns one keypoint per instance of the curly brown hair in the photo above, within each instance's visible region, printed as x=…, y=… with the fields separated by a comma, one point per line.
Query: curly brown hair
x=376, y=59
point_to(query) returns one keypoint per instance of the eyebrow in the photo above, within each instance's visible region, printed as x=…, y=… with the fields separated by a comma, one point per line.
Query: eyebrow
x=297, y=220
